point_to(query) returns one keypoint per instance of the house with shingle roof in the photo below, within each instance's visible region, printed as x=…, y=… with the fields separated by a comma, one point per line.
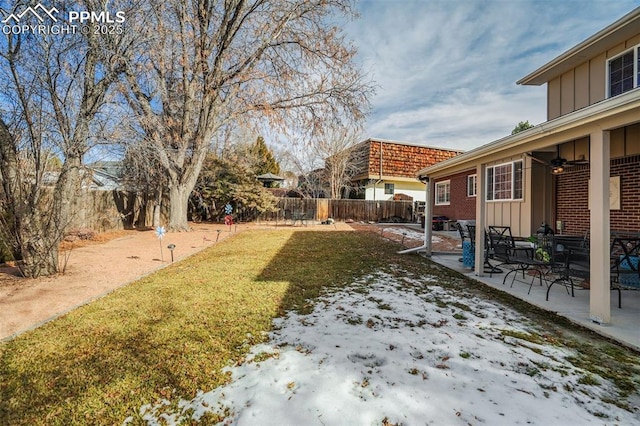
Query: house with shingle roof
x=387, y=169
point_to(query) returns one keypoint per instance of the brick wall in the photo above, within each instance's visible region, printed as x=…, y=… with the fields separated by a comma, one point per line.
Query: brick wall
x=572, y=200
x=572, y=197
x=628, y=217
x=461, y=206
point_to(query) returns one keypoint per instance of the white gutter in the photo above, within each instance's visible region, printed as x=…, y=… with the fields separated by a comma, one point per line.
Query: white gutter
x=426, y=246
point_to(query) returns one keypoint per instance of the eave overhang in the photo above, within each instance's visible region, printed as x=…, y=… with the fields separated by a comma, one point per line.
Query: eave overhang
x=611, y=36
x=541, y=135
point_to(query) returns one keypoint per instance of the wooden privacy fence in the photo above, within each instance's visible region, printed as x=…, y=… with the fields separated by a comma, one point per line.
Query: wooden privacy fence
x=110, y=210
x=341, y=210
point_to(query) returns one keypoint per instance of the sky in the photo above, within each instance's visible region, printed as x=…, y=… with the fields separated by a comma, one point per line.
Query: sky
x=446, y=71
x=395, y=348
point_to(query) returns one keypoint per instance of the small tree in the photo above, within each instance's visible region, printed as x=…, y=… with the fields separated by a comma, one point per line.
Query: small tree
x=521, y=127
x=229, y=181
x=145, y=177
x=264, y=160
x=54, y=96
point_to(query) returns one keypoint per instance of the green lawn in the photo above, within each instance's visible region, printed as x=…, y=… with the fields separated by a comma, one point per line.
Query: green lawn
x=172, y=333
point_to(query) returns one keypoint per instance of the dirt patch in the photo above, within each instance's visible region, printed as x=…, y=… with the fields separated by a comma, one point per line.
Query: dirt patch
x=94, y=268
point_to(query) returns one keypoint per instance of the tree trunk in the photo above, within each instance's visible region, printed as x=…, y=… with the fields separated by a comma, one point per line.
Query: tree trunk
x=39, y=255
x=179, y=200
x=38, y=248
x=157, y=208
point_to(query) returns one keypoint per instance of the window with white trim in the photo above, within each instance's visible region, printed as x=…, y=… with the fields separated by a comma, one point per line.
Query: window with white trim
x=443, y=193
x=623, y=72
x=389, y=188
x=504, y=181
x=471, y=185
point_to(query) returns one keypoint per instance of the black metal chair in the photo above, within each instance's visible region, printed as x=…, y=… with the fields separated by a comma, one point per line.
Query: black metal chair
x=625, y=262
x=488, y=267
x=307, y=216
x=575, y=264
x=517, y=258
x=288, y=215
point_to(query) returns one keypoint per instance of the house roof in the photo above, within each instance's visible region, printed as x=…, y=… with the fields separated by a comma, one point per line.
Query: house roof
x=269, y=176
x=611, y=36
x=419, y=145
x=393, y=160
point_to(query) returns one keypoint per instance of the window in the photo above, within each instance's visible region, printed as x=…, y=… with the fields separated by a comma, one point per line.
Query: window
x=623, y=72
x=443, y=193
x=504, y=182
x=388, y=188
x=471, y=185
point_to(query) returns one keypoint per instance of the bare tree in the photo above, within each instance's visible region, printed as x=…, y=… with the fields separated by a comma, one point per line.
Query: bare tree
x=208, y=65
x=145, y=178
x=55, y=88
x=336, y=147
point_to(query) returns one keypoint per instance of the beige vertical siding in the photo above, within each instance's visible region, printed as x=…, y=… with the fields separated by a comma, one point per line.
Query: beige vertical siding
x=584, y=85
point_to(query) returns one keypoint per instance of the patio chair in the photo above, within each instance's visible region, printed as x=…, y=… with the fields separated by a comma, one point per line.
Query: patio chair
x=307, y=216
x=288, y=215
x=625, y=262
x=488, y=267
x=575, y=265
x=505, y=251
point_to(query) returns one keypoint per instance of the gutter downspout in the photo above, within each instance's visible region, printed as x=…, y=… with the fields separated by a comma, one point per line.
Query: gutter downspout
x=375, y=185
x=426, y=247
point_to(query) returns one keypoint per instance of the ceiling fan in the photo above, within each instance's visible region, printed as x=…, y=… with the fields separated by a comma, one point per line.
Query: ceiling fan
x=558, y=164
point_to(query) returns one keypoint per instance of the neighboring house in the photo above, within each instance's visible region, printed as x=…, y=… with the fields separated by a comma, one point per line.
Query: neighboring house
x=580, y=170
x=105, y=175
x=386, y=169
x=98, y=176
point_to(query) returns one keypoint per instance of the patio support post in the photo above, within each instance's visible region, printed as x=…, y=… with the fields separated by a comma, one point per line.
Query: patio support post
x=600, y=228
x=481, y=196
x=428, y=214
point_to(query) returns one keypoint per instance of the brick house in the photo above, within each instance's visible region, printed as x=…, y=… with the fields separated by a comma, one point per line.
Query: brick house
x=580, y=170
x=386, y=170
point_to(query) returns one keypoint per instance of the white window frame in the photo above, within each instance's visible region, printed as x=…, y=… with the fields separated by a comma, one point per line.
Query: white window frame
x=636, y=69
x=472, y=185
x=447, y=193
x=491, y=182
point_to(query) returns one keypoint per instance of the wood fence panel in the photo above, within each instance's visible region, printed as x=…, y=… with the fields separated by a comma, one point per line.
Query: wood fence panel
x=111, y=210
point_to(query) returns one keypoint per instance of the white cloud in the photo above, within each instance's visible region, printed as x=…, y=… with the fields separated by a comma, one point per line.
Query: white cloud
x=446, y=70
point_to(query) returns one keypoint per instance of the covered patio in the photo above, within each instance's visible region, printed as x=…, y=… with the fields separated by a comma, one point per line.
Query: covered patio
x=578, y=173
x=623, y=326
x=601, y=144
